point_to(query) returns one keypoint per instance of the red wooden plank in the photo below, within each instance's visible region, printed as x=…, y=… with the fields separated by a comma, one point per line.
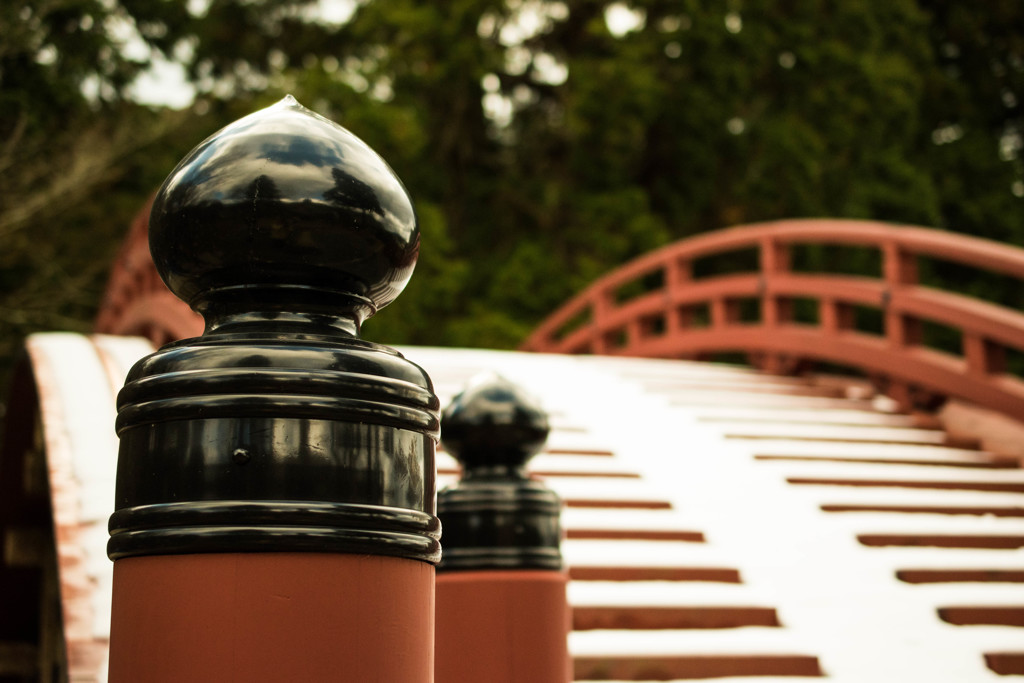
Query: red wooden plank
x=594, y=617
x=637, y=535
x=961, y=575
x=978, y=510
x=616, y=503
x=983, y=615
x=1005, y=663
x=689, y=667
x=992, y=541
x=626, y=573
x=995, y=485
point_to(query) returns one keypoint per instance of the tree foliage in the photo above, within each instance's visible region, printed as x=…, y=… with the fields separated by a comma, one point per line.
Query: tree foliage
x=544, y=142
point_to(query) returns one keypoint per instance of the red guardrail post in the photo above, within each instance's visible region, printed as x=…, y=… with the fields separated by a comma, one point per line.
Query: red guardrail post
x=275, y=481
x=502, y=615
x=774, y=259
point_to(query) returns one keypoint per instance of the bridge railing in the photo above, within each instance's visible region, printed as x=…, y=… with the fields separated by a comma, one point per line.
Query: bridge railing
x=654, y=306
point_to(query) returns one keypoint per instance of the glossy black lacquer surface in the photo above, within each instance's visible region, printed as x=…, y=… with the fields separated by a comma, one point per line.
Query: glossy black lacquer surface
x=279, y=429
x=284, y=198
x=496, y=516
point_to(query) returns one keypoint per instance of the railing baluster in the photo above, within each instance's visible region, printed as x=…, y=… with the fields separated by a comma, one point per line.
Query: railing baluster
x=982, y=356
x=828, y=315
x=900, y=269
x=775, y=260
x=900, y=265
x=906, y=308
x=720, y=312
x=678, y=274
x=600, y=307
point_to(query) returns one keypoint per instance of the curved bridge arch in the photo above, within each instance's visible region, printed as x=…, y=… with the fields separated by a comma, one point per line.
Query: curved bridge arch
x=136, y=301
x=681, y=316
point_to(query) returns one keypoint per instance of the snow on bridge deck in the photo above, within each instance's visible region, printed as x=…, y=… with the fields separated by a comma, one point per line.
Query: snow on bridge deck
x=720, y=523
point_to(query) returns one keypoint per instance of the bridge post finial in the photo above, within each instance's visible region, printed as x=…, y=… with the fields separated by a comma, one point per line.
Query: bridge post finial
x=274, y=515
x=502, y=613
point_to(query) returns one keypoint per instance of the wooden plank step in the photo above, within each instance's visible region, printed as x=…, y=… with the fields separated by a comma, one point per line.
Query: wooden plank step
x=977, y=615
x=614, y=502
x=994, y=541
x=682, y=535
x=970, y=575
x=656, y=617
x=1006, y=663
x=579, y=451
x=692, y=667
x=974, y=510
x=649, y=573
x=720, y=679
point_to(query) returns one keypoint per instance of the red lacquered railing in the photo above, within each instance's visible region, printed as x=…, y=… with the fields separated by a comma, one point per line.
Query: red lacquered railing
x=684, y=317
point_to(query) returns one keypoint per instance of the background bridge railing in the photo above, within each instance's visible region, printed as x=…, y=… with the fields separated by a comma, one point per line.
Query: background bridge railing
x=884, y=325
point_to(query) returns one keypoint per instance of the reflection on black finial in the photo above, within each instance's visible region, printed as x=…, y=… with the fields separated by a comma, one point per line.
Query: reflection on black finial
x=284, y=209
x=497, y=517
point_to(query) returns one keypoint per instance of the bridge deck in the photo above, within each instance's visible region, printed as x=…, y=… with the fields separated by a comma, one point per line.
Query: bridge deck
x=720, y=523
x=789, y=531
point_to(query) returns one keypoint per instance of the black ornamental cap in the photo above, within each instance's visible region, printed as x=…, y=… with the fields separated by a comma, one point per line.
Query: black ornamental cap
x=279, y=429
x=497, y=516
x=282, y=208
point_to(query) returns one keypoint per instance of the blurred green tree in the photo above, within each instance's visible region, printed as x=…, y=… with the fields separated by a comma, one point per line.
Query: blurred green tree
x=544, y=141
x=71, y=172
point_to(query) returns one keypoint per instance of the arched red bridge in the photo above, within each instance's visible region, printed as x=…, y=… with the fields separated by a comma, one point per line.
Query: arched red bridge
x=655, y=307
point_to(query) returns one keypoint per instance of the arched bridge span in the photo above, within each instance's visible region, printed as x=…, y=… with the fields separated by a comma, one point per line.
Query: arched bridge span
x=659, y=306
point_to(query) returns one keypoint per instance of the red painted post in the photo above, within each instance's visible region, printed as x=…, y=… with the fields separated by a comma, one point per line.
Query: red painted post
x=774, y=257
x=900, y=270
x=502, y=613
x=776, y=310
x=678, y=275
x=274, y=516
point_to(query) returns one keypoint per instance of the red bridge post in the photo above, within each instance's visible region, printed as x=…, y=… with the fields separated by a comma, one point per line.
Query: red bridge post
x=274, y=516
x=502, y=614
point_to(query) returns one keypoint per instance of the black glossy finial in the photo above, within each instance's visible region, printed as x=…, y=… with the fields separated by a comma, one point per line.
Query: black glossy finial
x=278, y=429
x=494, y=426
x=284, y=214
x=497, y=516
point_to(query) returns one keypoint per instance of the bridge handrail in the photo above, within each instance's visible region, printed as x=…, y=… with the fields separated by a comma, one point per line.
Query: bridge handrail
x=658, y=322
